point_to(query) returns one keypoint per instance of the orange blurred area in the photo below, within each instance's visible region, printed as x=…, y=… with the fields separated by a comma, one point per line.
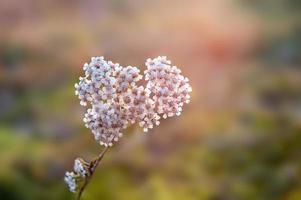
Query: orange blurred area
x=239, y=138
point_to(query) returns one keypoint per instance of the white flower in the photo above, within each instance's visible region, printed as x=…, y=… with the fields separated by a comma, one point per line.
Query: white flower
x=79, y=168
x=115, y=99
x=169, y=89
x=70, y=180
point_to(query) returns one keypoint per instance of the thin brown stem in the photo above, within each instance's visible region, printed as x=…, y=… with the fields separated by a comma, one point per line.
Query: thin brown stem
x=94, y=165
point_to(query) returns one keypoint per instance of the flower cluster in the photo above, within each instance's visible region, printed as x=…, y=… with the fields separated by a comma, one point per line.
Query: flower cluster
x=70, y=180
x=170, y=89
x=115, y=100
x=80, y=171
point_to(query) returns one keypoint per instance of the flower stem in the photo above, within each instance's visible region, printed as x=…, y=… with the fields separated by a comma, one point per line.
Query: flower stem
x=94, y=165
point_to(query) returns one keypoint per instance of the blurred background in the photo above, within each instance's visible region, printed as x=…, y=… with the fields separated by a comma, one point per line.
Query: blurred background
x=239, y=138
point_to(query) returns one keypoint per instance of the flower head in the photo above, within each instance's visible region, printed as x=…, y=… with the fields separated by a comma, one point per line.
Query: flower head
x=115, y=100
x=80, y=168
x=70, y=180
x=80, y=171
x=170, y=90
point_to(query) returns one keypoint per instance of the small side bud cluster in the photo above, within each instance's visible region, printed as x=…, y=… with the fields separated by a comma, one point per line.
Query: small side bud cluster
x=115, y=99
x=72, y=178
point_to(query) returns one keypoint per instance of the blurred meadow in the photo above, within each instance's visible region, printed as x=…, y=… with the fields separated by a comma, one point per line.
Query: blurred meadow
x=238, y=139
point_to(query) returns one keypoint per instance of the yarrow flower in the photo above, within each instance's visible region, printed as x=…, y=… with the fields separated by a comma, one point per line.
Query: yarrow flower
x=169, y=88
x=80, y=171
x=79, y=167
x=116, y=101
x=70, y=180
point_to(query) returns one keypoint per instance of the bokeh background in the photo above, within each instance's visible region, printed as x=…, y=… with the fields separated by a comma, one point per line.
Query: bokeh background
x=240, y=138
